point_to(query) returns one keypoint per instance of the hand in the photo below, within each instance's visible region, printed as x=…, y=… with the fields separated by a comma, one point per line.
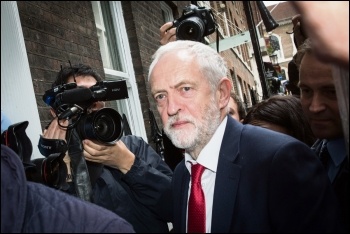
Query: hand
x=116, y=156
x=55, y=131
x=296, y=19
x=299, y=32
x=327, y=26
x=167, y=34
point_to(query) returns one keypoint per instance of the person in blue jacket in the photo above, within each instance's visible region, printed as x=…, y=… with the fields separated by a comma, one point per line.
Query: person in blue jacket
x=30, y=207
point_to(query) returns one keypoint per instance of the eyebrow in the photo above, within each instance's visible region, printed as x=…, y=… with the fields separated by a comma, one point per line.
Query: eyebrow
x=183, y=82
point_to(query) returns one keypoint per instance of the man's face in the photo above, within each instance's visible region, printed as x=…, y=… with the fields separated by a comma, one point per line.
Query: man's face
x=318, y=98
x=189, y=109
x=233, y=109
x=87, y=82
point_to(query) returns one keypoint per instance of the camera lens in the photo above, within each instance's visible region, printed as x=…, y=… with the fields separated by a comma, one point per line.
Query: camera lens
x=101, y=126
x=104, y=125
x=191, y=28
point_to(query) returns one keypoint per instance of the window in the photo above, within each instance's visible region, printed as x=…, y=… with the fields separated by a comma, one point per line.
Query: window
x=166, y=12
x=117, y=62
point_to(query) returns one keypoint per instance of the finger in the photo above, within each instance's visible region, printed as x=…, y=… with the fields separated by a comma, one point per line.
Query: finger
x=59, y=132
x=165, y=27
x=92, y=148
x=50, y=131
x=172, y=38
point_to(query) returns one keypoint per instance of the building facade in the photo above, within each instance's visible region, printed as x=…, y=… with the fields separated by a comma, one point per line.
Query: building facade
x=283, y=13
x=117, y=39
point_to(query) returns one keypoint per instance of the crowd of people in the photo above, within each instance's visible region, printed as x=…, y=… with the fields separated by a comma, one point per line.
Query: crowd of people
x=282, y=166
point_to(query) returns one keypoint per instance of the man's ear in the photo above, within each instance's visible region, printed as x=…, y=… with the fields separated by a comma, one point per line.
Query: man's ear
x=225, y=87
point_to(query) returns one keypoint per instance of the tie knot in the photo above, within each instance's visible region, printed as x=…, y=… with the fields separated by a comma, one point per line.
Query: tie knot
x=196, y=172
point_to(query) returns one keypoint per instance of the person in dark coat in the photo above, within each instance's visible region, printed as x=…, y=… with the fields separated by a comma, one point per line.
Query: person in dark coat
x=30, y=207
x=254, y=179
x=320, y=104
x=127, y=177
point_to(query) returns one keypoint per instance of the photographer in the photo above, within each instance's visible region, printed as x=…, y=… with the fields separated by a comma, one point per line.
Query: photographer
x=133, y=176
x=195, y=23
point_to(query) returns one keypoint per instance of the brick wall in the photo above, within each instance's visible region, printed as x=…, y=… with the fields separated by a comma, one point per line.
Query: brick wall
x=143, y=20
x=55, y=32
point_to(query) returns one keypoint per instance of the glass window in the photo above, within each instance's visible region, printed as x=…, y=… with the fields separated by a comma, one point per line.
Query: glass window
x=166, y=12
x=117, y=62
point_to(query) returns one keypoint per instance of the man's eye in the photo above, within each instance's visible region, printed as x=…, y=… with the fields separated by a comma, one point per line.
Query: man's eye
x=305, y=91
x=331, y=93
x=159, y=97
x=186, y=88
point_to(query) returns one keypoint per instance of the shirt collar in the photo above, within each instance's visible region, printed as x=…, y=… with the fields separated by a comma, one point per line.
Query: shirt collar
x=209, y=156
x=336, y=149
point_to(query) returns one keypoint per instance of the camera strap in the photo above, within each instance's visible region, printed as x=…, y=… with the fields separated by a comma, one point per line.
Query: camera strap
x=51, y=146
x=81, y=177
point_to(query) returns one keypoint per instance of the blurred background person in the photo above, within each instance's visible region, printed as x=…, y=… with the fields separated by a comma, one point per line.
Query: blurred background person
x=327, y=24
x=282, y=114
x=320, y=105
x=236, y=107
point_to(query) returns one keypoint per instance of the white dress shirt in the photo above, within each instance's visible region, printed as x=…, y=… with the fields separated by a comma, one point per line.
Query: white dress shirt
x=208, y=157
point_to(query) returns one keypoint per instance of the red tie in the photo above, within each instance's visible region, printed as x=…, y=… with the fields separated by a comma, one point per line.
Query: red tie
x=196, y=204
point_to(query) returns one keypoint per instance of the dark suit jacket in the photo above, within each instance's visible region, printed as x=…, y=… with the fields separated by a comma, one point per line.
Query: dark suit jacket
x=265, y=182
x=340, y=184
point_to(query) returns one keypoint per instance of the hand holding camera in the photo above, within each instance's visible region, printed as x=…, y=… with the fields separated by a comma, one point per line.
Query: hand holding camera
x=167, y=33
x=194, y=24
x=115, y=156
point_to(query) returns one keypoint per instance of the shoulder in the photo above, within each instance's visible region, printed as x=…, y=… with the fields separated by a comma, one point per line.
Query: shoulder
x=266, y=135
x=255, y=140
x=130, y=140
x=13, y=191
x=71, y=214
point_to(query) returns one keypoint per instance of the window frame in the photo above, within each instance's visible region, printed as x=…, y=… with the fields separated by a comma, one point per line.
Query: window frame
x=131, y=107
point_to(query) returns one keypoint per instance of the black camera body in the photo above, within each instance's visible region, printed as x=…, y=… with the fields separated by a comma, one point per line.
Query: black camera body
x=72, y=102
x=194, y=24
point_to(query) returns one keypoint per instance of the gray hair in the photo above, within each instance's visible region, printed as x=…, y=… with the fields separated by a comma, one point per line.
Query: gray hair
x=210, y=63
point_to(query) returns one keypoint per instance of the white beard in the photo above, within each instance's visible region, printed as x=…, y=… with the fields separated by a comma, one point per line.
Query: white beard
x=202, y=131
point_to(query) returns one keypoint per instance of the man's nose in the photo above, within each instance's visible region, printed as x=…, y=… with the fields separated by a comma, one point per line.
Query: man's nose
x=174, y=105
x=317, y=103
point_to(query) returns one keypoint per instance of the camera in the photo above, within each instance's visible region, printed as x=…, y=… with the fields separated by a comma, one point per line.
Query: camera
x=194, y=24
x=72, y=102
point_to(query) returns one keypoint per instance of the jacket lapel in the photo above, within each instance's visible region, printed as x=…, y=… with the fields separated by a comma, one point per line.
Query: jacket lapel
x=227, y=178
